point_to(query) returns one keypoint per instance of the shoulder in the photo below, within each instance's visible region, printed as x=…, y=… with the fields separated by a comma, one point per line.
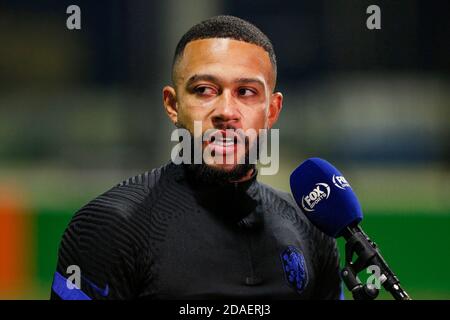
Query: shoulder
x=136, y=191
x=285, y=206
x=124, y=208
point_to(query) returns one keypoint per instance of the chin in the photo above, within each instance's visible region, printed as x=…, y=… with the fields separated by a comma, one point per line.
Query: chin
x=223, y=167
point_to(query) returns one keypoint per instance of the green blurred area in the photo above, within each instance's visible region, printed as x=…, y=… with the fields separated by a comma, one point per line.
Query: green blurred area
x=416, y=247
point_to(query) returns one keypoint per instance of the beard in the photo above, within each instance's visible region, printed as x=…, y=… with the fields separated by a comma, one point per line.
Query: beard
x=209, y=174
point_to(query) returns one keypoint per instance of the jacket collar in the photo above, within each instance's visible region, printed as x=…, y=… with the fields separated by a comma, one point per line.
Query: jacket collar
x=231, y=202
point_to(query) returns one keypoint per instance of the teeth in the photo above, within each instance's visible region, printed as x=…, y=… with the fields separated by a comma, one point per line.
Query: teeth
x=224, y=141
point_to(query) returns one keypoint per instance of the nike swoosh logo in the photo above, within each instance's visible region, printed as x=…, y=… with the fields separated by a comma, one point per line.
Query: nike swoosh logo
x=103, y=292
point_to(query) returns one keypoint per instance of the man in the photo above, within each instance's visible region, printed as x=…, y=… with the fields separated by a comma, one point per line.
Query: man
x=208, y=230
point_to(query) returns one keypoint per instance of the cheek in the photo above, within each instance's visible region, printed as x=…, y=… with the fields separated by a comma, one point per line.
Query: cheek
x=187, y=114
x=255, y=119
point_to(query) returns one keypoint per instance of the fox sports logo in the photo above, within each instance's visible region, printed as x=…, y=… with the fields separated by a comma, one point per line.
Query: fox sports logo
x=321, y=191
x=340, y=182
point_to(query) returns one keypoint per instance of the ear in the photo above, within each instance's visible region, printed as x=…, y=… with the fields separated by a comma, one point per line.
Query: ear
x=170, y=103
x=275, y=106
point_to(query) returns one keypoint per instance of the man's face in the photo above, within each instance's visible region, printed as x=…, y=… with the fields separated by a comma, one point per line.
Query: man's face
x=224, y=84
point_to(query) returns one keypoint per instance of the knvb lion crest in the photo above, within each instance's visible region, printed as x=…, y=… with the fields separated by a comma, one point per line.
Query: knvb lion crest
x=294, y=267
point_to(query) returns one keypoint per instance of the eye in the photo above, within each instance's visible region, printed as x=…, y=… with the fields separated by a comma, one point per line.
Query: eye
x=205, y=91
x=246, y=92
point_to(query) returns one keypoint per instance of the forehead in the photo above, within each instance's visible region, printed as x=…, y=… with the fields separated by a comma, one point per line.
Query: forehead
x=226, y=58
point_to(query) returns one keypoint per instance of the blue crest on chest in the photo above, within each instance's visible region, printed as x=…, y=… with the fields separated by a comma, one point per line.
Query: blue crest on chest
x=294, y=267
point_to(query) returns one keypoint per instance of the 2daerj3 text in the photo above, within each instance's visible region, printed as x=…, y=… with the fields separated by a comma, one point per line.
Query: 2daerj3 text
x=226, y=310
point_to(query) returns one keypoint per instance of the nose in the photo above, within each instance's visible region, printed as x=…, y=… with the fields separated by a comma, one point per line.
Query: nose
x=226, y=114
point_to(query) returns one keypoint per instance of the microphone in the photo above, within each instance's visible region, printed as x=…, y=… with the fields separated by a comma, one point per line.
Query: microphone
x=328, y=201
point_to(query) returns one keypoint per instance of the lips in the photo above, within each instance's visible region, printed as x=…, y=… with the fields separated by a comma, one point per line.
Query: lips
x=223, y=142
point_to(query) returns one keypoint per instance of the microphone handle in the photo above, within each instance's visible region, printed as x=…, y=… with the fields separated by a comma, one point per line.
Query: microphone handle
x=369, y=254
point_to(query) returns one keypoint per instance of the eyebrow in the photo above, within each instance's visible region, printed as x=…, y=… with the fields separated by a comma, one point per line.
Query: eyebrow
x=201, y=77
x=250, y=80
x=209, y=77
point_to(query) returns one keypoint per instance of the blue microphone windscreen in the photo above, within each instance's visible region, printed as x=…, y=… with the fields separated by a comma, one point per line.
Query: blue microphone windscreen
x=325, y=196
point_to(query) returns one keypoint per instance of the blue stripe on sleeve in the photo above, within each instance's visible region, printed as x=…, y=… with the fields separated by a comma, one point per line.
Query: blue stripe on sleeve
x=59, y=286
x=341, y=296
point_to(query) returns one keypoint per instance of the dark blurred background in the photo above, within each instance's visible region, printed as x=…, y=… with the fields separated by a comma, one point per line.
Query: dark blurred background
x=81, y=110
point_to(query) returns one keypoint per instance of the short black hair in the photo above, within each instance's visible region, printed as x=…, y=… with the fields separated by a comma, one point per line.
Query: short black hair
x=225, y=26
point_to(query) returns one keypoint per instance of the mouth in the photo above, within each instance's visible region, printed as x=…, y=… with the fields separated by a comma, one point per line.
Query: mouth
x=223, y=142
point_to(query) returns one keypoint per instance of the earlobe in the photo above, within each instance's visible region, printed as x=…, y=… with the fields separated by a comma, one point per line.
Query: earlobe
x=170, y=103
